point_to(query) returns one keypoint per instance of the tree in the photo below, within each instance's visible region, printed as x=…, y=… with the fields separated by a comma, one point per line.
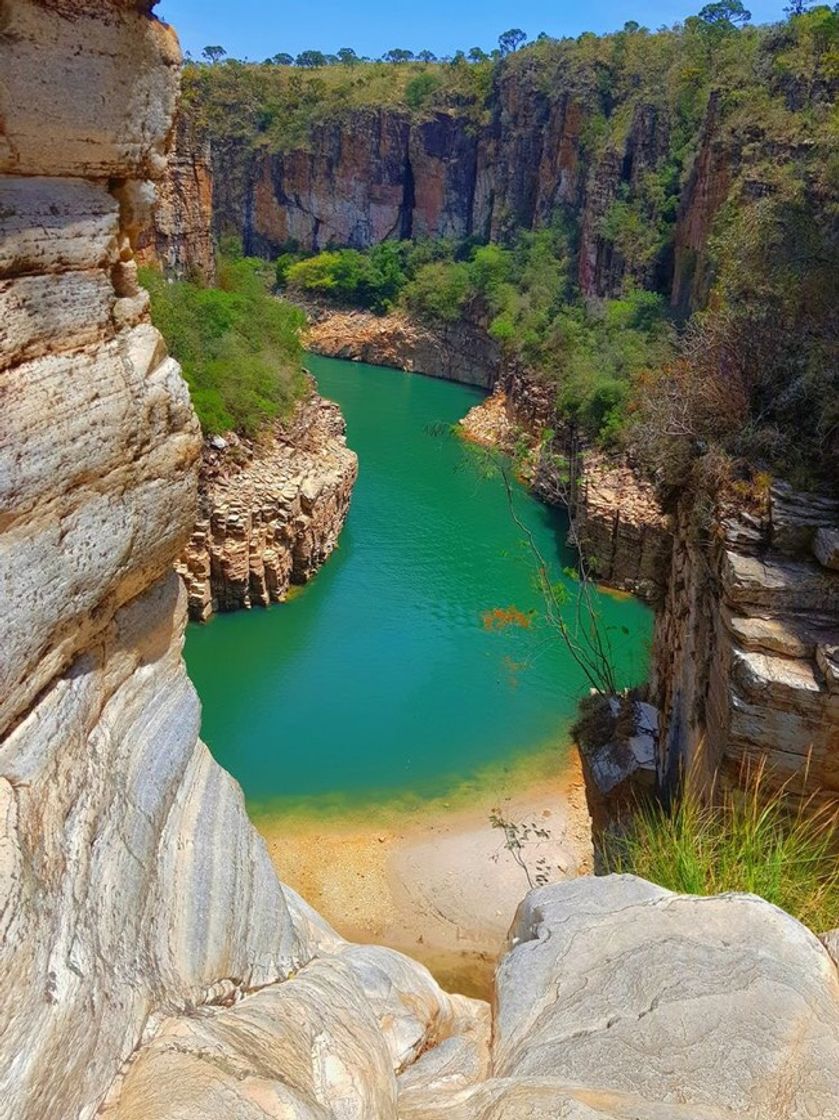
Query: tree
x=584, y=634
x=398, y=55
x=310, y=60
x=282, y=59
x=420, y=89
x=213, y=54
x=511, y=40
x=347, y=56
x=725, y=12
x=477, y=55
x=796, y=8
x=427, y=56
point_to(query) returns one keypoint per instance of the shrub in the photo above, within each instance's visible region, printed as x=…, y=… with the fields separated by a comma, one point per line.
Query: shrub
x=420, y=89
x=239, y=348
x=744, y=841
x=346, y=276
x=439, y=291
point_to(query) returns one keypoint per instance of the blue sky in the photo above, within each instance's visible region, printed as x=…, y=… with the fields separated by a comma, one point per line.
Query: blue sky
x=255, y=29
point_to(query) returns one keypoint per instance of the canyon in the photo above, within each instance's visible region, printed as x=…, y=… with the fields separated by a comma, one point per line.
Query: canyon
x=724, y=593
x=155, y=965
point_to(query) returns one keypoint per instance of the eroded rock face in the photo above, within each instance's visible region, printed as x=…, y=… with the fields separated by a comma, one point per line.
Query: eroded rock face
x=460, y=351
x=744, y=658
x=270, y=513
x=380, y=173
x=620, y=526
x=179, y=239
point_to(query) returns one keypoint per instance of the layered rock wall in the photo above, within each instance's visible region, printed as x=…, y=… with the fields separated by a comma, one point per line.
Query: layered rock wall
x=620, y=527
x=269, y=514
x=616, y=520
x=381, y=173
x=179, y=238
x=745, y=647
x=461, y=351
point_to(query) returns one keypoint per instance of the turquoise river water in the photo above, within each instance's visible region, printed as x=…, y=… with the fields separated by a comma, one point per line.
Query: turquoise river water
x=385, y=676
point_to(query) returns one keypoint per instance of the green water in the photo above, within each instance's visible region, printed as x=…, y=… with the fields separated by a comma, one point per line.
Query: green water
x=381, y=677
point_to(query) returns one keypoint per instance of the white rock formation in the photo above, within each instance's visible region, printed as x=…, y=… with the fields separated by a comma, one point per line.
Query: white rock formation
x=151, y=964
x=619, y=999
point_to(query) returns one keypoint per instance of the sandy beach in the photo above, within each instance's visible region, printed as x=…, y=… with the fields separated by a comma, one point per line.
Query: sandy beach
x=436, y=879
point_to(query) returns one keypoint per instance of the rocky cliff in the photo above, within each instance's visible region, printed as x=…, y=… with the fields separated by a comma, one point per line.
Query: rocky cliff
x=270, y=513
x=155, y=966
x=745, y=647
x=179, y=238
x=461, y=351
x=620, y=526
x=377, y=173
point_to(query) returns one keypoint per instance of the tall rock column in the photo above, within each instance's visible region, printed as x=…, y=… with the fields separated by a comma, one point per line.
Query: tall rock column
x=115, y=907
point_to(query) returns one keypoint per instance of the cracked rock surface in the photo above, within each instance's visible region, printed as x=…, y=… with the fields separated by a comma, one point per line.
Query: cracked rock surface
x=270, y=513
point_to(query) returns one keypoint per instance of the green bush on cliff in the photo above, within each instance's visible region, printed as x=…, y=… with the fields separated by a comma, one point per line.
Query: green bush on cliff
x=239, y=347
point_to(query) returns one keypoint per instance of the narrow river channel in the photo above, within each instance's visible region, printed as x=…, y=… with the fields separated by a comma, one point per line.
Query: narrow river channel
x=389, y=673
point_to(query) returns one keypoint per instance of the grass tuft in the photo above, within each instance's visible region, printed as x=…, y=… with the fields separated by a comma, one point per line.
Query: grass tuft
x=742, y=840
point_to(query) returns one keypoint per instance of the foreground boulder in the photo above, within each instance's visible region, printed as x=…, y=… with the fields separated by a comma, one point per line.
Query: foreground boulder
x=617, y=999
x=621, y=999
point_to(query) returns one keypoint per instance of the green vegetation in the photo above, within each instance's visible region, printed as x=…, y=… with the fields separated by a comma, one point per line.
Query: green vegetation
x=275, y=107
x=238, y=346
x=525, y=296
x=744, y=368
x=346, y=276
x=743, y=841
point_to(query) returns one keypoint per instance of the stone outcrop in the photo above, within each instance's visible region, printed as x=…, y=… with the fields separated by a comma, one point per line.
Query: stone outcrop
x=620, y=527
x=689, y=977
x=461, y=351
x=270, y=513
x=745, y=648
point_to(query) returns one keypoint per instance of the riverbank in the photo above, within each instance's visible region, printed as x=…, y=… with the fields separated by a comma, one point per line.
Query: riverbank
x=434, y=879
